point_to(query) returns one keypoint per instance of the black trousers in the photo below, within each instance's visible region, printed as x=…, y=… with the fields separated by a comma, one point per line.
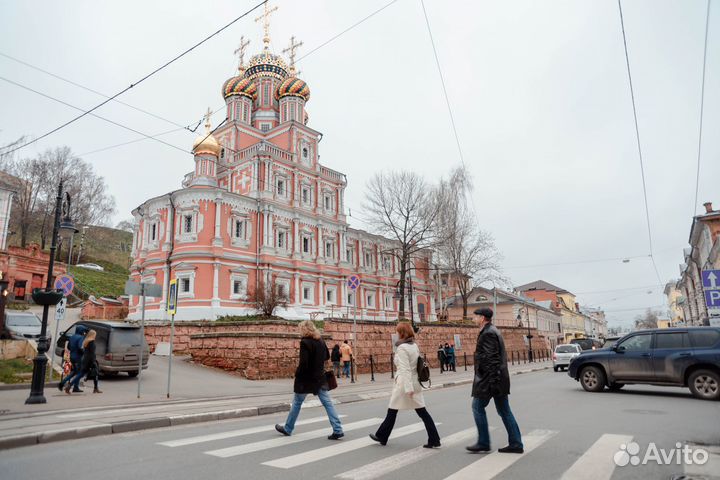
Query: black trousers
x=385, y=429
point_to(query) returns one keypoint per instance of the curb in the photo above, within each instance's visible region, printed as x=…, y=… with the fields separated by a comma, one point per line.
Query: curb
x=25, y=386
x=17, y=441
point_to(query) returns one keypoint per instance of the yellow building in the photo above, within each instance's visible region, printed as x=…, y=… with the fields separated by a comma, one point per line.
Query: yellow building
x=675, y=301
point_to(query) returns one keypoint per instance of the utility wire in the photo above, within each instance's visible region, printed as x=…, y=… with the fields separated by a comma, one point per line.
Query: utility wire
x=153, y=137
x=637, y=138
x=702, y=107
x=91, y=90
x=91, y=114
x=132, y=85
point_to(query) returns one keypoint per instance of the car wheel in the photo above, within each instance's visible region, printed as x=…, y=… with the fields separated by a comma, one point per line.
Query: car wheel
x=555, y=368
x=133, y=374
x=616, y=386
x=592, y=379
x=705, y=384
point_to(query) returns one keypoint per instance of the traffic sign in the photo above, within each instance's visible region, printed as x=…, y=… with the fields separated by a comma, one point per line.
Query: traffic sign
x=60, y=311
x=149, y=289
x=712, y=298
x=353, y=282
x=66, y=283
x=172, y=297
x=711, y=279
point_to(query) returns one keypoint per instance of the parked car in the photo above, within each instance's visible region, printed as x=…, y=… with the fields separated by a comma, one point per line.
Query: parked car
x=21, y=326
x=679, y=357
x=564, y=354
x=610, y=341
x=587, y=343
x=91, y=266
x=117, y=346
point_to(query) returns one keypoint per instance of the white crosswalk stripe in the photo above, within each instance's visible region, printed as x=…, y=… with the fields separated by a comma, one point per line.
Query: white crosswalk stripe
x=342, y=447
x=495, y=463
x=235, y=433
x=408, y=457
x=282, y=441
x=597, y=462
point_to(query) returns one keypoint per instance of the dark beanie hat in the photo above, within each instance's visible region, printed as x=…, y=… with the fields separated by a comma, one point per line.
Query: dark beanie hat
x=484, y=312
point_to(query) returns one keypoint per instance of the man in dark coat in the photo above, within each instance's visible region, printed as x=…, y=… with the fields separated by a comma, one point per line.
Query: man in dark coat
x=492, y=381
x=75, y=346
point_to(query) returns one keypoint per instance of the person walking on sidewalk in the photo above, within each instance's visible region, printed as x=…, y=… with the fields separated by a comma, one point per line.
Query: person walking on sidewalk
x=88, y=365
x=442, y=359
x=492, y=381
x=75, y=346
x=310, y=378
x=346, y=352
x=450, y=357
x=335, y=359
x=407, y=391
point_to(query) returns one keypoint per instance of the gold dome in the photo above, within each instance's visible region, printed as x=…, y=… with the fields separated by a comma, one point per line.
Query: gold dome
x=206, y=143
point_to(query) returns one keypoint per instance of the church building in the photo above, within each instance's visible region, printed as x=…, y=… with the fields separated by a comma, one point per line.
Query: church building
x=259, y=211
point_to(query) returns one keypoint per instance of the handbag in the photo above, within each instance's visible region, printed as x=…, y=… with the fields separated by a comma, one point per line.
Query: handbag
x=330, y=380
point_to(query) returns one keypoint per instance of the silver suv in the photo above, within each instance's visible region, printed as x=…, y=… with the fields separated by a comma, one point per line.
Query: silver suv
x=564, y=354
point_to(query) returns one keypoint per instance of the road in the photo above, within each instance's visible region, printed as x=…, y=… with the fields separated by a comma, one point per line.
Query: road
x=568, y=434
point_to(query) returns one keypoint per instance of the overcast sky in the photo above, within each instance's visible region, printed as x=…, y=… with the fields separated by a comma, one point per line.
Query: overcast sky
x=539, y=91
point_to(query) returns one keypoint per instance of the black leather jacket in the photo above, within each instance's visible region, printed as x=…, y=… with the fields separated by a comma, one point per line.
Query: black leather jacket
x=492, y=378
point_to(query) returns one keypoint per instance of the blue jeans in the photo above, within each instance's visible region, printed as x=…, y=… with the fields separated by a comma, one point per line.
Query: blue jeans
x=502, y=405
x=346, y=369
x=326, y=401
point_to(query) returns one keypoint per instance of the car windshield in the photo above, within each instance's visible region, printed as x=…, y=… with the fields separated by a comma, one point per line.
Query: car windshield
x=566, y=349
x=23, y=321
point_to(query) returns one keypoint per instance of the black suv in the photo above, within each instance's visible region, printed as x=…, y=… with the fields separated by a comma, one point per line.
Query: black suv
x=679, y=357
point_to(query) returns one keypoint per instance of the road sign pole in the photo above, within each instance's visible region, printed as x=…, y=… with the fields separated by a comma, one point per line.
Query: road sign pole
x=172, y=334
x=59, y=315
x=142, y=336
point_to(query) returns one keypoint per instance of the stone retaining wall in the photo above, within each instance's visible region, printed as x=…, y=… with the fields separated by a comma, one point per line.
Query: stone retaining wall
x=269, y=349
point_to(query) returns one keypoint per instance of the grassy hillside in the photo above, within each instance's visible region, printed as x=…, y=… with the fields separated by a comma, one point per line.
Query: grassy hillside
x=100, y=284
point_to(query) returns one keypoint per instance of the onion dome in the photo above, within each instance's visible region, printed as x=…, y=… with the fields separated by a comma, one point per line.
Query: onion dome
x=294, y=87
x=266, y=64
x=240, y=86
x=207, y=143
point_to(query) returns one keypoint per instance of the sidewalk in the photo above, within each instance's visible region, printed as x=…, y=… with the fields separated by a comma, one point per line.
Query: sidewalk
x=198, y=394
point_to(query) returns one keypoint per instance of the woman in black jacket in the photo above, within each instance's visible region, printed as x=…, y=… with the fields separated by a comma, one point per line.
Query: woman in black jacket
x=88, y=365
x=335, y=359
x=310, y=378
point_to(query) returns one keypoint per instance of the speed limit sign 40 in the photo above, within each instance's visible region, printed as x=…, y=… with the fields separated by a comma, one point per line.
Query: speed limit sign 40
x=60, y=309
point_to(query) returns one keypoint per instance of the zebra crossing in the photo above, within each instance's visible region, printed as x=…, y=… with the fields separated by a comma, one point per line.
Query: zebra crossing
x=310, y=448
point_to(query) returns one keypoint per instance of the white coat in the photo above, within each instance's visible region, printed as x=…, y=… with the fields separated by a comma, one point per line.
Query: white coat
x=406, y=379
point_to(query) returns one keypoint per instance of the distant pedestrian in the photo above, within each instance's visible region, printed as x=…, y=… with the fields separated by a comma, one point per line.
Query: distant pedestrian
x=442, y=359
x=492, y=381
x=407, y=391
x=88, y=365
x=75, y=346
x=346, y=356
x=450, y=353
x=310, y=378
x=335, y=359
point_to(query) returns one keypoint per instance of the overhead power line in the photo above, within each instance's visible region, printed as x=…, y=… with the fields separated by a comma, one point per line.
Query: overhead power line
x=132, y=85
x=637, y=138
x=702, y=107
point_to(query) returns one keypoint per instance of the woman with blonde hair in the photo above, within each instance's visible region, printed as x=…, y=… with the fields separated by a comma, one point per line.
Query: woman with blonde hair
x=310, y=378
x=407, y=391
x=88, y=365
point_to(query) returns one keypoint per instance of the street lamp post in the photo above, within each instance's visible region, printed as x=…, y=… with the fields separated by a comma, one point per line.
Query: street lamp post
x=529, y=335
x=46, y=297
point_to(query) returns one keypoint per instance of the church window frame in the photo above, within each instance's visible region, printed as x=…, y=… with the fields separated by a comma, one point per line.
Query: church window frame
x=293, y=111
x=368, y=259
x=331, y=295
x=266, y=93
x=388, y=302
x=187, y=223
x=306, y=195
x=329, y=249
x=306, y=244
x=238, y=286
x=282, y=239
x=186, y=284
x=370, y=299
x=308, y=293
x=265, y=127
x=282, y=288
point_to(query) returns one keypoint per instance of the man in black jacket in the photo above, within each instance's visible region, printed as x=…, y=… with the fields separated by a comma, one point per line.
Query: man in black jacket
x=492, y=380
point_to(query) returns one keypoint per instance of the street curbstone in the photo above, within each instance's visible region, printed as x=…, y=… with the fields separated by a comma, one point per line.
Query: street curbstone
x=277, y=408
x=238, y=413
x=142, y=424
x=193, y=418
x=351, y=398
x=74, y=433
x=16, y=441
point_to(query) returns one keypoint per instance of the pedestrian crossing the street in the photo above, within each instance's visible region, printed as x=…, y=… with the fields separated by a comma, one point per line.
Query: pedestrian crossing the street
x=363, y=459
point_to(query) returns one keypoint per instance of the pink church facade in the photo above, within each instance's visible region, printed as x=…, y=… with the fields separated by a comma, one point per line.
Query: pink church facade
x=260, y=211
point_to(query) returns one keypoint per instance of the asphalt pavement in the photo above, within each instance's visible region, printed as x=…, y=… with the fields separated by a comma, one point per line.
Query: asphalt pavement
x=568, y=434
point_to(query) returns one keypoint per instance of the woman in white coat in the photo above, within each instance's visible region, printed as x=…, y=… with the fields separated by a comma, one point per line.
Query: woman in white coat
x=407, y=392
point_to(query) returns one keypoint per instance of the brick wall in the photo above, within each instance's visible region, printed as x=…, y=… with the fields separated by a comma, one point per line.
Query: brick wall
x=269, y=349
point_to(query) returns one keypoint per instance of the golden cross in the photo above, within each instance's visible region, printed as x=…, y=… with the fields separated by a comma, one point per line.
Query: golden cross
x=240, y=52
x=293, y=46
x=207, y=120
x=265, y=17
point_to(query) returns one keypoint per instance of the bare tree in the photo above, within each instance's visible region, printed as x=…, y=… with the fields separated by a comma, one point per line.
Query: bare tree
x=267, y=300
x=464, y=251
x=126, y=225
x=648, y=320
x=402, y=206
